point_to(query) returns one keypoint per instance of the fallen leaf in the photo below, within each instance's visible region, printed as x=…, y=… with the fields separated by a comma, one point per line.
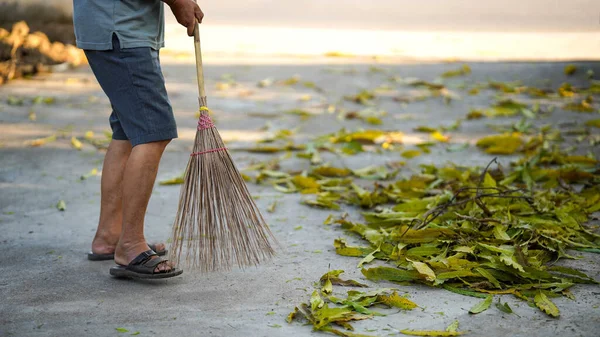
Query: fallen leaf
x=410, y=154
x=42, y=141
x=431, y=333
x=570, y=69
x=395, y=300
x=504, y=307
x=482, y=306
x=453, y=327
x=462, y=71
x=173, y=181
x=76, y=143
x=501, y=144
x=544, y=303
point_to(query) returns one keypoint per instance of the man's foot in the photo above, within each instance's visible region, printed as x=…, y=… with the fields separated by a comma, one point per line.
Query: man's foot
x=105, y=244
x=126, y=253
x=103, y=250
x=145, y=266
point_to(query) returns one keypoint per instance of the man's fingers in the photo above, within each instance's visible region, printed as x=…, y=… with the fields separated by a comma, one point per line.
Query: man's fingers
x=199, y=14
x=190, y=28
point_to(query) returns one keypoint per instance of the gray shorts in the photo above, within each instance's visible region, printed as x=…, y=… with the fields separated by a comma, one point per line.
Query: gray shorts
x=133, y=81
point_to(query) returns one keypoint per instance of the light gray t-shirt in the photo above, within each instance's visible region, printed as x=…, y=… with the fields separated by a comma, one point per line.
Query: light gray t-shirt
x=137, y=23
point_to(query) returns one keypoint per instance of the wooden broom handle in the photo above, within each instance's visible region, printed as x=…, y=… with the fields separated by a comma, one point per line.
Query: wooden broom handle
x=199, y=69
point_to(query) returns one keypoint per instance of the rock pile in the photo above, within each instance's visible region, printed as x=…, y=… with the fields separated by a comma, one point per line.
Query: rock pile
x=23, y=53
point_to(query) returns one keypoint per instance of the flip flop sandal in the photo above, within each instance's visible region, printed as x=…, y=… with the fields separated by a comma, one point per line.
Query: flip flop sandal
x=111, y=256
x=143, y=266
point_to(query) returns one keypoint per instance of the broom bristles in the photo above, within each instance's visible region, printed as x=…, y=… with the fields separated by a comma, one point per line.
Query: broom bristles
x=218, y=225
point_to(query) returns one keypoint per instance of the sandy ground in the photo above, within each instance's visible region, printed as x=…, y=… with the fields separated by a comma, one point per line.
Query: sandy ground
x=48, y=288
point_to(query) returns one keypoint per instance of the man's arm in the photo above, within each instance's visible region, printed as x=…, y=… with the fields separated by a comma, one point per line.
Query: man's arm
x=187, y=13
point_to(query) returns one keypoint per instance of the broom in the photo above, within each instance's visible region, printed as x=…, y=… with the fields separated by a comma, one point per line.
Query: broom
x=217, y=223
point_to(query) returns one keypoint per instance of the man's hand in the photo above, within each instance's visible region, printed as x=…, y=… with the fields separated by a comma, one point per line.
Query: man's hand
x=187, y=13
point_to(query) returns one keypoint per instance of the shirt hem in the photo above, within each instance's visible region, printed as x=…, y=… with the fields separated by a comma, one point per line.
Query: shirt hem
x=124, y=45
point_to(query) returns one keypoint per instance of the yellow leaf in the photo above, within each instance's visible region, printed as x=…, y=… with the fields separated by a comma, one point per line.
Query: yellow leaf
x=593, y=123
x=341, y=248
x=507, y=143
x=395, y=300
x=544, y=303
x=42, y=141
x=488, y=181
x=172, y=181
x=305, y=182
x=76, y=143
x=292, y=315
x=580, y=160
x=439, y=137
x=332, y=171
x=410, y=154
x=424, y=270
x=89, y=135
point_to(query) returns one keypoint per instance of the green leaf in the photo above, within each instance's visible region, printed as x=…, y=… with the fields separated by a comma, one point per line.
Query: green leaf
x=368, y=258
x=512, y=262
x=504, y=307
x=464, y=292
x=121, y=330
x=489, y=277
x=390, y=274
x=482, y=306
x=316, y=301
x=61, y=205
x=570, y=69
x=410, y=154
x=173, y=181
x=135, y=333
x=593, y=123
x=327, y=287
x=544, y=304
x=453, y=327
x=590, y=250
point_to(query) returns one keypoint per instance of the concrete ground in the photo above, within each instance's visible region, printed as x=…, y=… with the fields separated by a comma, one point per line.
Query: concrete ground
x=49, y=288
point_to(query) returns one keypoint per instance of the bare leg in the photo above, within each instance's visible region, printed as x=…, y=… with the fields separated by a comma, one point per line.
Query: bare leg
x=111, y=204
x=138, y=181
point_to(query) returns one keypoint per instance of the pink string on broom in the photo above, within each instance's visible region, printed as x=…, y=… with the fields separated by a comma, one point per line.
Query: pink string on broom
x=204, y=122
x=208, y=151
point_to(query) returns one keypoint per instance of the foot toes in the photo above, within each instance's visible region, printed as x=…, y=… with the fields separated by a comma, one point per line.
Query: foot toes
x=164, y=267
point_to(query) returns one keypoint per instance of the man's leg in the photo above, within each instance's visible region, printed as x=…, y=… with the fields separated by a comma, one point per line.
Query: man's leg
x=138, y=181
x=111, y=201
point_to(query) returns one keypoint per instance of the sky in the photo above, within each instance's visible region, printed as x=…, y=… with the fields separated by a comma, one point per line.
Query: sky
x=410, y=15
x=462, y=15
